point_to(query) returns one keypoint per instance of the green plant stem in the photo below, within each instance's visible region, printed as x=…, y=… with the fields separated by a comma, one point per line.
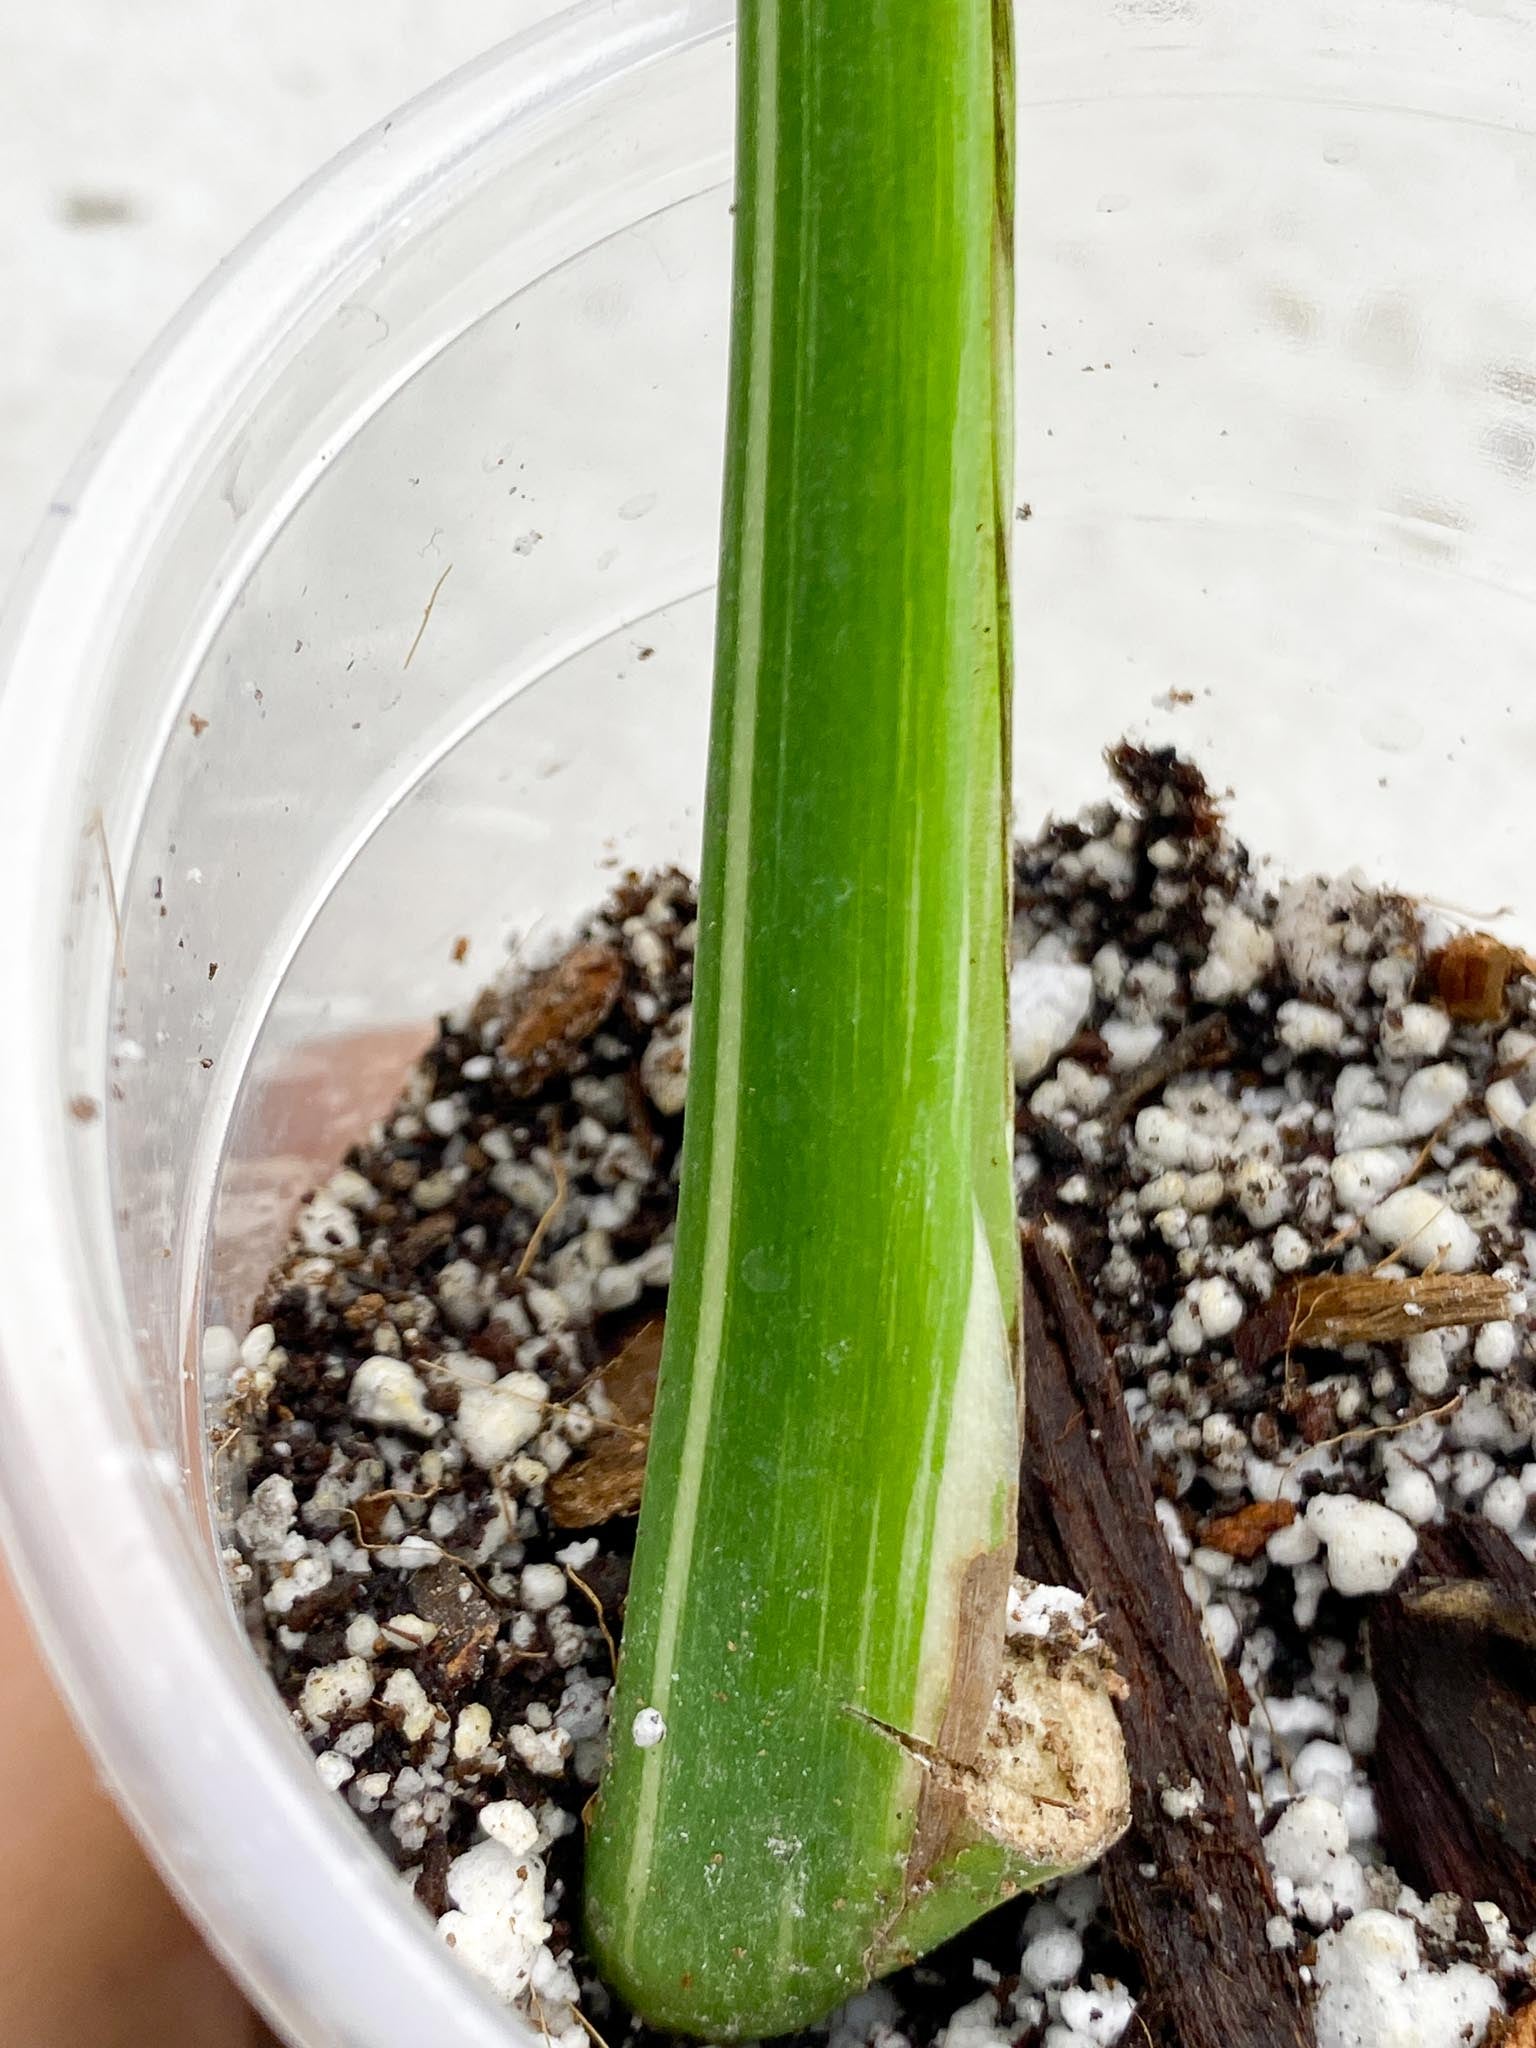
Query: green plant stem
x=816, y=1609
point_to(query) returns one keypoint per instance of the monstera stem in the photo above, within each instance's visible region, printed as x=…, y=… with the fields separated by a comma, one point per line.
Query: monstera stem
x=812, y=1776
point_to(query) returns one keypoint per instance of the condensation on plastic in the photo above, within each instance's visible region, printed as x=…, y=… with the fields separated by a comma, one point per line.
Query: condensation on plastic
x=381, y=619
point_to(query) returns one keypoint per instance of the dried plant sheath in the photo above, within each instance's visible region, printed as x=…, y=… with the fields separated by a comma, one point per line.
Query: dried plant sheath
x=607, y=1479
x=827, y=1534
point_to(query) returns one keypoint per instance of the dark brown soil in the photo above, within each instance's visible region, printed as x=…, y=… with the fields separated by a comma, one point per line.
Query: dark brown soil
x=513, y=1215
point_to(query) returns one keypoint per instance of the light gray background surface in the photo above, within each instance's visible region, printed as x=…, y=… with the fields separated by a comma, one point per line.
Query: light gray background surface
x=139, y=141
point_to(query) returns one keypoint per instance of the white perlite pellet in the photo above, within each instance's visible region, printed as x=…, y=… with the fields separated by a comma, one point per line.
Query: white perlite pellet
x=1429, y=1096
x=1429, y=1371
x=540, y=1587
x=497, y=1926
x=1131, y=1044
x=257, y=1346
x=1365, y=1178
x=1182, y=1802
x=1095, y=2014
x=1416, y=1031
x=403, y=1692
x=1293, y=1546
x=1420, y=1228
x=326, y=1225
x=583, y=1708
x=1411, y=1494
x=1368, y=1545
x=648, y=1729
x=1495, y=1347
x=1373, y=1992
x=1290, y=1250
x=1505, y=1104
x=1503, y=1504
x=493, y=1423
x=1035, y=1611
x=1166, y=1140
x=1052, y=1957
x=387, y=1392
x=362, y=1637
x=664, y=1063
x=1048, y=1004
x=268, y=1520
x=334, y=1771
x=544, y=1750
x=1308, y=1027
x=308, y=1574
x=977, y=2025
x=1241, y=954
x=1219, y=1307
x=334, y=1690
x=411, y=1554
x=471, y=1732
x=1308, y=1848
x=407, y=1632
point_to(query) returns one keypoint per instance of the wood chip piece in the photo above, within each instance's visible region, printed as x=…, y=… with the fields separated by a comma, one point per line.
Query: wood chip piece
x=1471, y=973
x=1199, y=1924
x=1454, y=1662
x=1518, y=1151
x=605, y=1479
x=425, y=1238
x=1245, y=1533
x=467, y=1624
x=1329, y=1310
x=1518, y=2031
x=1206, y=1043
x=1317, y=1413
x=556, y=1011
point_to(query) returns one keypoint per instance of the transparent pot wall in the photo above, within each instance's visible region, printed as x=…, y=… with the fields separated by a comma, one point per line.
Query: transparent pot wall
x=390, y=632
x=458, y=676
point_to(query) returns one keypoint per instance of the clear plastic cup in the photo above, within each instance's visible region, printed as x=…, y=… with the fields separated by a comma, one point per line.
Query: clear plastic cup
x=380, y=621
